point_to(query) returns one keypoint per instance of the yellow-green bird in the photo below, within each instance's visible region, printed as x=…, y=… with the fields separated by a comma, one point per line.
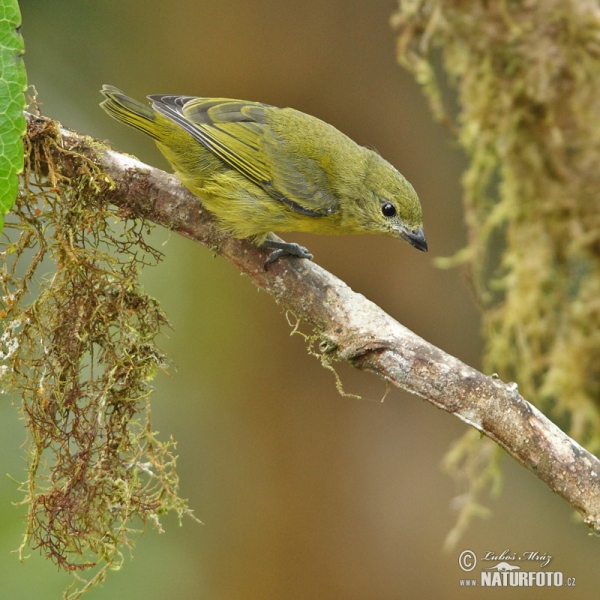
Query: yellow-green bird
x=260, y=169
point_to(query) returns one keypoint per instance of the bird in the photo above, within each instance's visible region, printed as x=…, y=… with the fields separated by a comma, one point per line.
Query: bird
x=261, y=169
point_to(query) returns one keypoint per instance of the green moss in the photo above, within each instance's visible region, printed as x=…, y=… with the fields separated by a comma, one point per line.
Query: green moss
x=78, y=351
x=527, y=77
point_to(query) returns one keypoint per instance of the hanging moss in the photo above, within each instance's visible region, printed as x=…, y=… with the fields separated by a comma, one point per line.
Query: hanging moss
x=527, y=77
x=78, y=353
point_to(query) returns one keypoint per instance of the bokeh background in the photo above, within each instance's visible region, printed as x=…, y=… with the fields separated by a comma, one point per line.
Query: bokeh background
x=302, y=493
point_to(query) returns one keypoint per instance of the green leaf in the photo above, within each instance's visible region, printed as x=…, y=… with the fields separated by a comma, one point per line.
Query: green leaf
x=13, y=82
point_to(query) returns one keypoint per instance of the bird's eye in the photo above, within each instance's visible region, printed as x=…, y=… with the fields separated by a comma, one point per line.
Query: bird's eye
x=388, y=209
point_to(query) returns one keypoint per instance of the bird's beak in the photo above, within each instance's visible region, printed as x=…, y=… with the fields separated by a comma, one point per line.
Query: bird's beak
x=414, y=238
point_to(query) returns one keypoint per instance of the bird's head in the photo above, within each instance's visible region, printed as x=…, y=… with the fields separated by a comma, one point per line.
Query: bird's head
x=386, y=203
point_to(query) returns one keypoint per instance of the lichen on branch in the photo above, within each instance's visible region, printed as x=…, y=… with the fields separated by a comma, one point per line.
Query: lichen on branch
x=79, y=352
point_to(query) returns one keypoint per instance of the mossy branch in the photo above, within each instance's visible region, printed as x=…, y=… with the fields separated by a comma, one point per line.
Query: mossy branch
x=353, y=329
x=78, y=349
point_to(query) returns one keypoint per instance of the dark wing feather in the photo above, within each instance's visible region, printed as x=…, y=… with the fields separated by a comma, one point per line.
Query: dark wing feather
x=237, y=132
x=231, y=129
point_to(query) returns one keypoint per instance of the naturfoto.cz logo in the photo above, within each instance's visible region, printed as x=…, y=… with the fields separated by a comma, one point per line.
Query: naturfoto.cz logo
x=504, y=573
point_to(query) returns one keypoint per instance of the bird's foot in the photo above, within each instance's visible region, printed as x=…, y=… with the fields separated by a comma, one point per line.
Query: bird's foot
x=283, y=249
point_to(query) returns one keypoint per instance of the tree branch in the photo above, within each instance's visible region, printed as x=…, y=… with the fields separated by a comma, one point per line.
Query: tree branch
x=355, y=330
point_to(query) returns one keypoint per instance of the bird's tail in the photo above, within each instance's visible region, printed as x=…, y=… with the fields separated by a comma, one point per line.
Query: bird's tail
x=130, y=111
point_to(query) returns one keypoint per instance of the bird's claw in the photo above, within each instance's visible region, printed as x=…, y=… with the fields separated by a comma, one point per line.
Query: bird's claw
x=284, y=248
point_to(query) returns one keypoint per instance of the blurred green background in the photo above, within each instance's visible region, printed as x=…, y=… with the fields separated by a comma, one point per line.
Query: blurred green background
x=302, y=493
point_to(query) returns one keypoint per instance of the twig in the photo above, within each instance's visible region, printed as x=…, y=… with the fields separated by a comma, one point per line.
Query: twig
x=354, y=329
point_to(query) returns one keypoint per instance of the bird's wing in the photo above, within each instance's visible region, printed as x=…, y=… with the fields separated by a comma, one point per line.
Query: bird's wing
x=238, y=133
